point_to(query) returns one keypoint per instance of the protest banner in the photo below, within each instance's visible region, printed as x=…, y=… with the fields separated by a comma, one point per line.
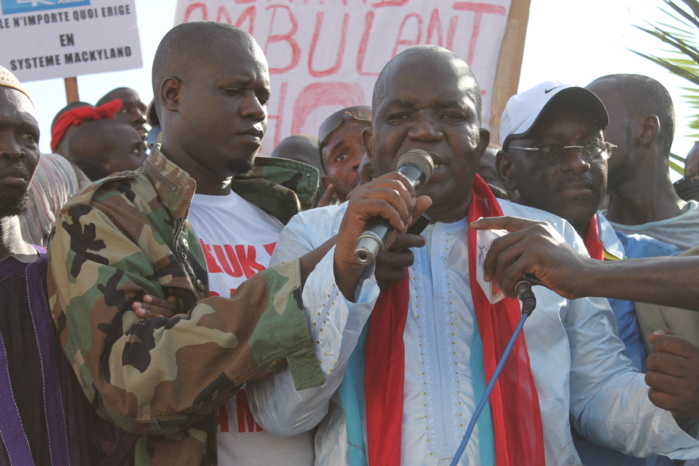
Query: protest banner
x=45, y=39
x=326, y=54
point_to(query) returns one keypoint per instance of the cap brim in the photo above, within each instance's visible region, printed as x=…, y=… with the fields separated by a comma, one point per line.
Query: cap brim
x=578, y=95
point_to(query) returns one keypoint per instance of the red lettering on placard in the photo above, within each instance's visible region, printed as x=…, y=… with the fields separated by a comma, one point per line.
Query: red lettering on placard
x=279, y=116
x=223, y=16
x=408, y=42
x=247, y=257
x=240, y=2
x=435, y=26
x=453, y=21
x=364, y=45
x=270, y=248
x=211, y=264
x=385, y=3
x=316, y=95
x=249, y=15
x=213, y=293
x=222, y=419
x=246, y=421
x=480, y=9
x=287, y=37
x=192, y=8
x=340, y=51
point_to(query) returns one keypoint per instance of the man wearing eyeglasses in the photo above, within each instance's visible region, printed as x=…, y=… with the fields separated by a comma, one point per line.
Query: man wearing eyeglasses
x=341, y=151
x=555, y=156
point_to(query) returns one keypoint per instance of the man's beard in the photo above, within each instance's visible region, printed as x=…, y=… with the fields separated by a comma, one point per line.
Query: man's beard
x=243, y=168
x=247, y=168
x=13, y=203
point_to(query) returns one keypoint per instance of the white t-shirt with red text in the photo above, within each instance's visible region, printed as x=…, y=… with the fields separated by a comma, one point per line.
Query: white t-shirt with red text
x=238, y=240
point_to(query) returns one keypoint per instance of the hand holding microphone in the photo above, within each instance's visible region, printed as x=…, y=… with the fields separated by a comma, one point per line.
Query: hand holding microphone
x=417, y=166
x=390, y=198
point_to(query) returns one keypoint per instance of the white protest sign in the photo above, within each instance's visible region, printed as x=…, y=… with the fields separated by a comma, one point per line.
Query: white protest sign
x=45, y=39
x=325, y=54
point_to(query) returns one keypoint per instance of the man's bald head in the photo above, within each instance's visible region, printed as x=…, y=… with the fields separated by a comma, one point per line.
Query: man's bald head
x=642, y=96
x=187, y=46
x=428, y=56
x=300, y=147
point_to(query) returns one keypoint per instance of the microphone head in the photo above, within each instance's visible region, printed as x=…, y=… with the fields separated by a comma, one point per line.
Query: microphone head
x=419, y=159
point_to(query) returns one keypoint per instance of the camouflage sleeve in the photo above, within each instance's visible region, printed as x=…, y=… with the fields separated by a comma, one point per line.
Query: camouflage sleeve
x=157, y=376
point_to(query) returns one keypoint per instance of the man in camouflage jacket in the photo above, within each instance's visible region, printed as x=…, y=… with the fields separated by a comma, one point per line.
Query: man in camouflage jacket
x=163, y=378
x=128, y=236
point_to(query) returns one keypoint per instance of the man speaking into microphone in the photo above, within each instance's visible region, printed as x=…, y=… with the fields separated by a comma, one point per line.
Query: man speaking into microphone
x=407, y=354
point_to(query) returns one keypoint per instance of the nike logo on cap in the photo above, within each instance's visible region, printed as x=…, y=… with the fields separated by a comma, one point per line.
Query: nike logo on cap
x=546, y=91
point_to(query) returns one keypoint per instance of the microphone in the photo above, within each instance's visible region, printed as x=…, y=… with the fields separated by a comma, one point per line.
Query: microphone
x=523, y=290
x=417, y=166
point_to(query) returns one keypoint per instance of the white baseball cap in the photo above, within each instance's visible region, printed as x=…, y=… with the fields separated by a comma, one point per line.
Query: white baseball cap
x=522, y=110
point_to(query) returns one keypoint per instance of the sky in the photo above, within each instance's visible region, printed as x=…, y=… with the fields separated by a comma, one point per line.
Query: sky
x=573, y=41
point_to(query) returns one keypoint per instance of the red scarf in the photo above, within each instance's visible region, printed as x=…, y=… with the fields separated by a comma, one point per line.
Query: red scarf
x=77, y=115
x=592, y=241
x=514, y=401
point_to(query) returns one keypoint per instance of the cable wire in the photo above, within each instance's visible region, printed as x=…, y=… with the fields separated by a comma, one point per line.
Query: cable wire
x=488, y=390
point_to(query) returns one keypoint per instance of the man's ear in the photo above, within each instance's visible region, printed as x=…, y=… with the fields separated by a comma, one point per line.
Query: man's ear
x=170, y=90
x=650, y=127
x=504, y=166
x=367, y=134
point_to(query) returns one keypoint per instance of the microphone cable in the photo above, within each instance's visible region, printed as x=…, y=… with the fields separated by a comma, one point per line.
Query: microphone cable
x=526, y=295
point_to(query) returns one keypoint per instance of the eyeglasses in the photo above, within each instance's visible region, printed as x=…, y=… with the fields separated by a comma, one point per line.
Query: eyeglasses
x=333, y=122
x=555, y=153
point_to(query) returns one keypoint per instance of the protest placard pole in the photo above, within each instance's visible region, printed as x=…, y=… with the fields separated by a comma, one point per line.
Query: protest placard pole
x=509, y=62
x=72, y=94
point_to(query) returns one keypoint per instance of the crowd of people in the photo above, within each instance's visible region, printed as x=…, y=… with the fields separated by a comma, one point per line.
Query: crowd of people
x=174, y=298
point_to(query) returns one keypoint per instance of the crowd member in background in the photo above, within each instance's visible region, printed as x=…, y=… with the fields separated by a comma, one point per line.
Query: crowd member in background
x=303, y=148
x=487, y=170
x=46, y=418
x=61, y=137
x=102, y=147
x=132, y=111
x=341, y=150
x=54, y=182
x=687, y=187
x=198, y=222
x=641, y=196
x=554, y=155
x=434, y=337
x=68, y=119
x=154, y=123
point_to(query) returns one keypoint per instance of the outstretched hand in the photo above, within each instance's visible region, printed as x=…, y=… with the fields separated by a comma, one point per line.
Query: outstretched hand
x=532, y=247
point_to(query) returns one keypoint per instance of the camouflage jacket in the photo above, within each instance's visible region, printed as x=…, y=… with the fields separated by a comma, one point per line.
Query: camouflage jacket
x=163, y=378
